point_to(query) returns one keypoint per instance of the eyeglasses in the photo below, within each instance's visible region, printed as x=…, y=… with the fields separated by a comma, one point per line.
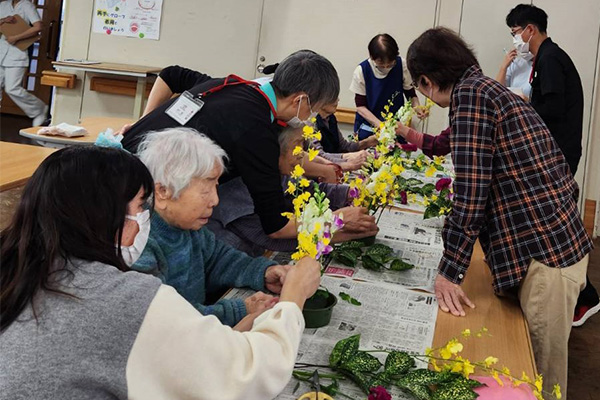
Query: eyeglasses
x=517, y=31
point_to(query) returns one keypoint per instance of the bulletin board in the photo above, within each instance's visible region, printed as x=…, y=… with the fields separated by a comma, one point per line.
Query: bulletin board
x=132, y=18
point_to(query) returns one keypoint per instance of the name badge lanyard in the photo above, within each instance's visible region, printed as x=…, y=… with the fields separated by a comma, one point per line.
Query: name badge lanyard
x=188, y=105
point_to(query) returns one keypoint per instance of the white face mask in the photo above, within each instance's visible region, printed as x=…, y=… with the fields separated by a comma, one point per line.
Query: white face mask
x=296, y=122
x=132, y=253
x=383, y=70
x=522, y=47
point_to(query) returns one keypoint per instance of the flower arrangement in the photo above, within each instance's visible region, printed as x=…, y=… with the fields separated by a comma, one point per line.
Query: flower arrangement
x=448, y=380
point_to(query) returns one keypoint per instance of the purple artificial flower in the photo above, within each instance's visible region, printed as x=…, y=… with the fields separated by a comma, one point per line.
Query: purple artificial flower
x=379, y=393
x=408, y=147
x=403, y=197
x=443, y=184
x=327, y=234
x=338, y=222
x=375, y=154
x=323, y=249
x=354, y=193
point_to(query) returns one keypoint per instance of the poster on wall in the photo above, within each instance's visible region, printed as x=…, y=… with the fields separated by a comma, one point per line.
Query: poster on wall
x=131, y=18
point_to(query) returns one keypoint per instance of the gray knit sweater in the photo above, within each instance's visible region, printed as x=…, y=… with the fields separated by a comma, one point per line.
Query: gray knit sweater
x=78, y=347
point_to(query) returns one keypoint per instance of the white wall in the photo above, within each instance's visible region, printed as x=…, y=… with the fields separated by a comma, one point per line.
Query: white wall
x=224, y=36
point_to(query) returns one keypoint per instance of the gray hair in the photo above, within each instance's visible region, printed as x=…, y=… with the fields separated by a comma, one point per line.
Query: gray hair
x=286, y=136
x=309, y=72
x=175, y=156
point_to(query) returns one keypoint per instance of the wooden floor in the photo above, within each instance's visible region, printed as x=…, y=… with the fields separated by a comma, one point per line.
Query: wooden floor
x=584, y=347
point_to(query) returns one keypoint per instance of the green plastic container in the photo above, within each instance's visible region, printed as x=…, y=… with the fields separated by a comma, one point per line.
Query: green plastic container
x=317, y=310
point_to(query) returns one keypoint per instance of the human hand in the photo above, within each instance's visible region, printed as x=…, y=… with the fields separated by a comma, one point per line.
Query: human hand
x=357, y=220
x=123, y=129
x=449, y=296
x=508, y=58
x=8, y=20
x=371, y=141
x=259, y=302
x=275, y=277
x=301, y=281
x=357, y=156
x=402, y=130
x=11, y=39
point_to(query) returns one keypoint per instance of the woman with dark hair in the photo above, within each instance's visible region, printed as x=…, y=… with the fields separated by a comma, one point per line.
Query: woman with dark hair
x=77, y=324
x=512, y=191
x=378, y=79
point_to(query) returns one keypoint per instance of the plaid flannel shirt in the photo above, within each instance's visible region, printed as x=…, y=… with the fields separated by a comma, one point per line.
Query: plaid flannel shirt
x=513, y=188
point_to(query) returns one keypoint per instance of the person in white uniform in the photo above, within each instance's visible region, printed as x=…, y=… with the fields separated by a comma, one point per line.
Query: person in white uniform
x=14, y=62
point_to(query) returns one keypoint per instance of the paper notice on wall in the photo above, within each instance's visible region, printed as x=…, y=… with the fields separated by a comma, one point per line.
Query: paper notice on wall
x=131, y=18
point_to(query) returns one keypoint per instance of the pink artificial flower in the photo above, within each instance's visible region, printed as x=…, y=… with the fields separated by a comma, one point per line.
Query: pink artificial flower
x=379, y=393
x=443, y=184
x=403, y=197
x=408, y=147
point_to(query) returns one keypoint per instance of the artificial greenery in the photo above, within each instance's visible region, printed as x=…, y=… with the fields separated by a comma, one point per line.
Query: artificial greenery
x=376, y=257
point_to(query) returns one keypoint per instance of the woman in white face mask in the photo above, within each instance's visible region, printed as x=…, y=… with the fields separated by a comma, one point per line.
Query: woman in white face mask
x=84, y=328
x=377, y=80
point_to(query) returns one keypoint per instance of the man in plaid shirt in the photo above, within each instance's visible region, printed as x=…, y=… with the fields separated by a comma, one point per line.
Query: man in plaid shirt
x=513, y=190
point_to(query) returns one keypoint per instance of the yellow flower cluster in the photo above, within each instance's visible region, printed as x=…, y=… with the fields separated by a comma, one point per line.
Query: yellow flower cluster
x=452, y=361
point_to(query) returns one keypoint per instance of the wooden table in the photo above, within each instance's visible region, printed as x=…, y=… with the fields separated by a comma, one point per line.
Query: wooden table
x=509, y=340
x=18, y=162
x=141, y=72
x=94, y=126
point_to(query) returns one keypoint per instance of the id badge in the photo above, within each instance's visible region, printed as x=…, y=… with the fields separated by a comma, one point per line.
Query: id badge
x=184, y=108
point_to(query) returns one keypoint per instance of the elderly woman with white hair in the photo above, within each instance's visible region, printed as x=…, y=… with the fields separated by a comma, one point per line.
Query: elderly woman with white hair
x=186, y=167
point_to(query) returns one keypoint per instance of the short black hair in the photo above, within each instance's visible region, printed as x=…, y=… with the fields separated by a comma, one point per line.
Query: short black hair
x=383, y=47
x=525, y=14
x=441, y=55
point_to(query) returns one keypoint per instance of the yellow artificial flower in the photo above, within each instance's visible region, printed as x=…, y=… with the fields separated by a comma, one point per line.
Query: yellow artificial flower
x=468, y=369
x=506, y=371
x=312, y=153
x=297, y=151
x=556, y=391
x=539, y=382
x=430, y=171
x=297, y=172
x=497, y=378
x=397, y=169
x=307, y=130
x=291, y=187
x=454, y=346
x=304, y=182
x=288, y=215
x=434, y=197
x=438, y=160
x=525, y=378
x=306, y=244
x=466, y=333
x=419, y=163
x=457, y=367
x=489, y=361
